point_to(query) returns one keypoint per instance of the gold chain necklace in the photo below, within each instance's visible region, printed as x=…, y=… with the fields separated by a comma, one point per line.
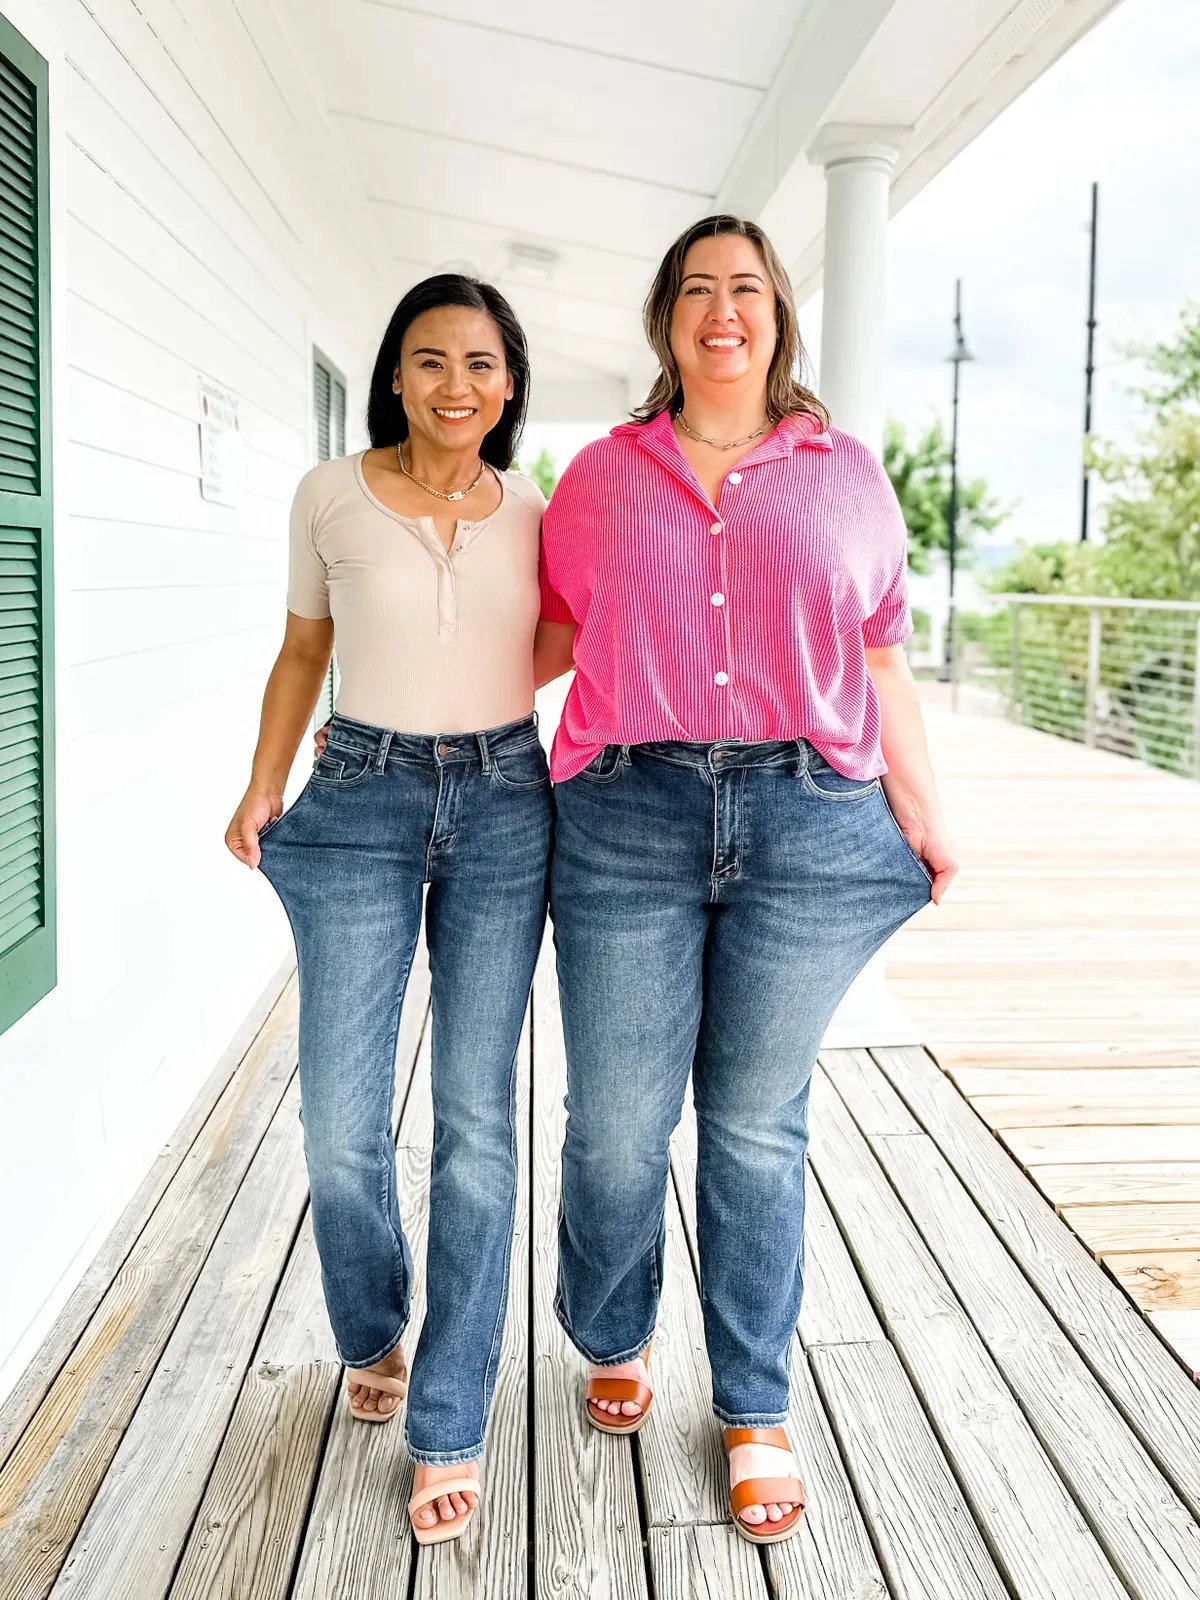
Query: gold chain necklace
x=721, y=444
x=442, y=494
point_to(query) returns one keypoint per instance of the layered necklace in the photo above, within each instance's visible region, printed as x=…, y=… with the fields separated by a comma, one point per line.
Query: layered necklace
x=442, y=494
x=721, y=444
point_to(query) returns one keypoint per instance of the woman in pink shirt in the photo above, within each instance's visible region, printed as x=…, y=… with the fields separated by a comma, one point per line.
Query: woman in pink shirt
x=746, y=812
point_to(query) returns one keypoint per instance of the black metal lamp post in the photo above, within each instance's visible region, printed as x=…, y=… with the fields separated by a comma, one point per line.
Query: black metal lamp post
x=957, y=356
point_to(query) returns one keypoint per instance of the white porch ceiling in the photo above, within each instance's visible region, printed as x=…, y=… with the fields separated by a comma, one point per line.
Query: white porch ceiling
x=597, y=133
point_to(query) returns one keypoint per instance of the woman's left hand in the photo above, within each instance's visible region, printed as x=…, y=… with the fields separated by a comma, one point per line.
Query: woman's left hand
x=936, y=851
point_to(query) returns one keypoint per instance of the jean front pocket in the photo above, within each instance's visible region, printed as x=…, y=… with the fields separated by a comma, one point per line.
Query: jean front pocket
x=521, y=769
x=824, y=782
x=340, y=764
x=609, y=764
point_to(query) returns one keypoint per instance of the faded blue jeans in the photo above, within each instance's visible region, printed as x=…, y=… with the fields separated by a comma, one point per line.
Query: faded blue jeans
x=383, y=815
x=711, y=904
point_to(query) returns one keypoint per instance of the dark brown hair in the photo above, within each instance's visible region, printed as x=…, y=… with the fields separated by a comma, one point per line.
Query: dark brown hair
x=786, y=394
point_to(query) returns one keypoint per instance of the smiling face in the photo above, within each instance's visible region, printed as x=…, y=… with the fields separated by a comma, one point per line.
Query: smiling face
x=723, y=322
x=452, y=377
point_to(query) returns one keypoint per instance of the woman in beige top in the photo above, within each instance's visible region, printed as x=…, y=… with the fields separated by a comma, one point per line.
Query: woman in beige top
x=421, y=557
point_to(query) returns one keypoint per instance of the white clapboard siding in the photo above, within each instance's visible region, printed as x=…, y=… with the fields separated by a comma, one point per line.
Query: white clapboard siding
x=206, y=224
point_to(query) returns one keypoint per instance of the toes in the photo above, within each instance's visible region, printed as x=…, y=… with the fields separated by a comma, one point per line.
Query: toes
x=446, y=1509
x=754, y=1515
x=426, y=1517
x=386, y=1404
x=774, y=1514
x=628, y=1409
x=459, y=1504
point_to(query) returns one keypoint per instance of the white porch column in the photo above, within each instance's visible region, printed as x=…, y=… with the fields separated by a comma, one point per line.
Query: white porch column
x=858, y=161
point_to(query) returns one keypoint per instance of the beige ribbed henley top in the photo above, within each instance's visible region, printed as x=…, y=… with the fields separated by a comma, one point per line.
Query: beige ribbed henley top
x=428, y=640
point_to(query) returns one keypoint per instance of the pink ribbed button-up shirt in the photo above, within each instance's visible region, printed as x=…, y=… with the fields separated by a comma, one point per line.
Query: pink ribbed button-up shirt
x=746, y=620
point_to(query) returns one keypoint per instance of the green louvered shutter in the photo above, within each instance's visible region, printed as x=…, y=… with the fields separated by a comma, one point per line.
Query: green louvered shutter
x=329, y=421
x=27, y=899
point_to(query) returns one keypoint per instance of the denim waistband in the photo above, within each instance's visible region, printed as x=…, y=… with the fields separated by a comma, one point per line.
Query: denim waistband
x=435, y=748
x=728, y=753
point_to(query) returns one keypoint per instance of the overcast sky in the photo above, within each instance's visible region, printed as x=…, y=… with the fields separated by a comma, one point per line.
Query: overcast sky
x=1009, y=216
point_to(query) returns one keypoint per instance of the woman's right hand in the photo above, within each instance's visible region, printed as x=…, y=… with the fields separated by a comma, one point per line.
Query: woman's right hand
x=250, y=818
x=320, y=740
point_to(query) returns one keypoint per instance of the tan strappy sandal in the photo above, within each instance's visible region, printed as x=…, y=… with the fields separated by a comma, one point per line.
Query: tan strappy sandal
x=374, y=1380
x=767, y=1456
x=443, y=1531
x=620, y=1389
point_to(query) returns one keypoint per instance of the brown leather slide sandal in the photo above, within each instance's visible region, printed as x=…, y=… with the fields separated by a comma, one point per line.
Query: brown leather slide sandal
x=758, y=1452
x=620, y=1389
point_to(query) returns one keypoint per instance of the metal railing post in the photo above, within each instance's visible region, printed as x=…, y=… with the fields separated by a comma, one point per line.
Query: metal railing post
x=1093, y=676
x=1014, y=665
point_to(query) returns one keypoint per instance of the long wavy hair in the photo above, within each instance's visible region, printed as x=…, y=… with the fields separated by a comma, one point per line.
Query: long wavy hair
x=387, y=423
x=787, y=395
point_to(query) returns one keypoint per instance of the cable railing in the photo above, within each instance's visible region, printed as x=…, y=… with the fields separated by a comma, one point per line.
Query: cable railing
x=1115, y=674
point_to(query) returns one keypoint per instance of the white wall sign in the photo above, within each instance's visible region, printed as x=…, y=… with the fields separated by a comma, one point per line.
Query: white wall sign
x=222, y=467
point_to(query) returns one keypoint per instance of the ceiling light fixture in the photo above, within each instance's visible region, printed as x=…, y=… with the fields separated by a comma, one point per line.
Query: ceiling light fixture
x=532, y=262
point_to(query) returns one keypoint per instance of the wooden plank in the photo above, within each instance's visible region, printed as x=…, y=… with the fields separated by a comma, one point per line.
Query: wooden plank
x=703, y=1563
x=1123, y=1227
x=1091, y=1108
x=1067, y=1055
x=1030, y=1521
x=31, y=1388
x=1161, y=1280
x=587, y=1538
x=836, y=1309
x=1063, y=1146
x=52, y=1475
x=928, y=1543
x=1155, y=1551
x=1081, y=1085
x=136, y=1527
x=1181, y=1330
x=832, y=1554
x=1098, y=1183
x=491, y=1561
x=249, y=1528
x=1135, y=1368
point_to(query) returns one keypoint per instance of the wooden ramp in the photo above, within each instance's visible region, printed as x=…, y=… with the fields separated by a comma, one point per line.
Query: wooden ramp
x=981, y=1413
x=1060, y=987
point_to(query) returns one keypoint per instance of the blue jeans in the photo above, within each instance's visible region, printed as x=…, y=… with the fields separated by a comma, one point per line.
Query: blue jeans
x=711, y=904
x=383, y=815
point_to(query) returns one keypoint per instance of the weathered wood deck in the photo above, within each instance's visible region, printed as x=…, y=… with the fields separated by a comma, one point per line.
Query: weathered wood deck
x=981, y=1412
x=1059, y=986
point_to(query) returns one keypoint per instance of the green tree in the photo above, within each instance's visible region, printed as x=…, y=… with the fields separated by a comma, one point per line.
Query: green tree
x=543, y=472
x=920, y=475
x=1149, y=549
x=1151, y=546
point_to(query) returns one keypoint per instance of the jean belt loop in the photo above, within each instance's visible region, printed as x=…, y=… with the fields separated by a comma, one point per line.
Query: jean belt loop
x=625, y=749
x=484, y=753
x=381, y=755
